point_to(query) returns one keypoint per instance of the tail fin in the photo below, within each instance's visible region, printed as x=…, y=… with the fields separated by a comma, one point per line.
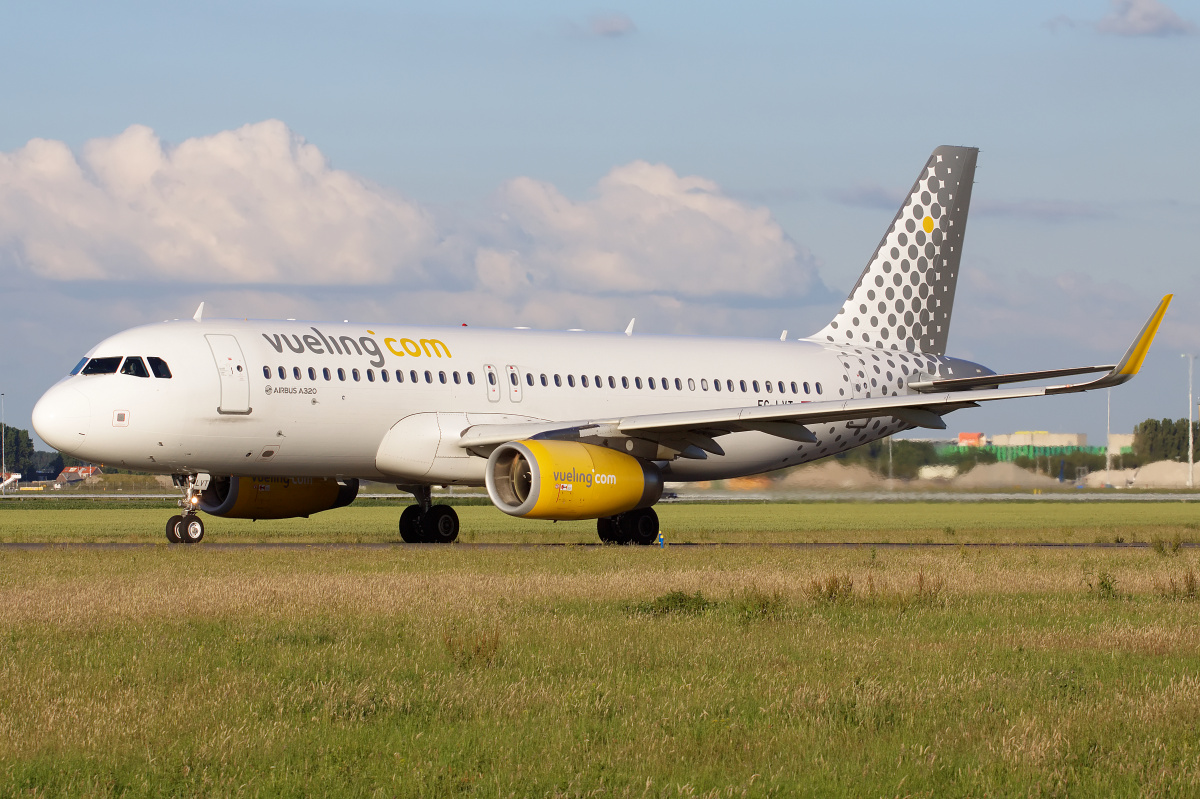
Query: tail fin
x=903, y=299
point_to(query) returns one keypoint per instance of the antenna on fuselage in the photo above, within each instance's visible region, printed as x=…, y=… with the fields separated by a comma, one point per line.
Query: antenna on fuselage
x=629, y=330
x=199, y=315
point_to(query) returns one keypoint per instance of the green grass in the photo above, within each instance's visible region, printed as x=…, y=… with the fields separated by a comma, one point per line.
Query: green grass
x=607, y=671
x=922, y=522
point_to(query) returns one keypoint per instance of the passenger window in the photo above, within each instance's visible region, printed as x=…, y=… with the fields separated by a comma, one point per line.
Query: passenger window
x=282, y=373
x=806, y=391
x=794, y=391
x=267, y=372
x=529, y=378
x=679, y=384
x=637, y=381
x=82, y=361
x=742, y=383
x=571, y=381
x=370, y=375
x=102, y=366
x=767, y=385
x=717, y=385
x=755, y=384
x=312, y=373
x=159, y=367
x=557, y=381
x=729, y=385
x=296, y=372
x=325, y=374
x=457, y=379
x=703, y=384
x=134, y=366
x=612, y=382
x=491, y=378
x=512, y=378
x=583, y=380
x=649, y=382
x=471, y=378
x=781, y=389
x=599, y=382
x=341, y=373
x=624, y=382
x=818, y=387
x=399, y=375
x=442, y=377
x=356, y=374
x=383, y=373
x=544, y=381
x=428, y=376
x=412, y=375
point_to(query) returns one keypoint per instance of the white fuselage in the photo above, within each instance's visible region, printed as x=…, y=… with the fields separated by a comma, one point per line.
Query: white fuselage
x=212, y=416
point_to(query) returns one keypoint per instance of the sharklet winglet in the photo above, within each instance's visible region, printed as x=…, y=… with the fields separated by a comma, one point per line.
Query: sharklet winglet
x=199, y=315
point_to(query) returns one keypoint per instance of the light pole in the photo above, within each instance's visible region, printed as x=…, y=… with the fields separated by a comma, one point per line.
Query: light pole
x=3, y=435
x=1191, y=361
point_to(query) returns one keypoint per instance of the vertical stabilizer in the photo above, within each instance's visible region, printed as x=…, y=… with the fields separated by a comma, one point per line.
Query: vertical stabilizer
x=903, y=299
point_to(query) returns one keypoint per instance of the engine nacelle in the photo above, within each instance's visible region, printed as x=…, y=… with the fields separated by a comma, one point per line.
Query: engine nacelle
x=565, y=480
x=275, y=497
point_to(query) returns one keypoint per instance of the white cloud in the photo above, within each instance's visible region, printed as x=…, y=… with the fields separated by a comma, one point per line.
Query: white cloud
x=1143, y=18
x=611, y=25
x=259, y=205
x=252, y=205
x=644, y=229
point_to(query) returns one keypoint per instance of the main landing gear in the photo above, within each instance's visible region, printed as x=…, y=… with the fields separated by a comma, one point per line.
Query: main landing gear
x=633, y=527
x=426, y=523
x=188, y=527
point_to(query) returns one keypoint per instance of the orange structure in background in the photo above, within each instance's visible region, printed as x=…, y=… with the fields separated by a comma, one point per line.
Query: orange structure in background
x=972, y=440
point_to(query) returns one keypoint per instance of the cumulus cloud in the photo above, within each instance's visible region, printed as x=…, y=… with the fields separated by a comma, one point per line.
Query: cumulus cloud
x=644, y=229
x=252, y=205
x=259, y=205
x=1143, y=18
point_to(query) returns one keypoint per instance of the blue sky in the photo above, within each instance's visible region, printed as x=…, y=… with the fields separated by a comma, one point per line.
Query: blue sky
x=457, y=151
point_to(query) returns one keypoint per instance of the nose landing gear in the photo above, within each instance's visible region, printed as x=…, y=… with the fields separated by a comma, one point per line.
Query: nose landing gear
x=188, y=527
x=426, y=523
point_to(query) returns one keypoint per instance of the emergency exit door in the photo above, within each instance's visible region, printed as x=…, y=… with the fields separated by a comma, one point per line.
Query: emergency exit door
x=231, y=368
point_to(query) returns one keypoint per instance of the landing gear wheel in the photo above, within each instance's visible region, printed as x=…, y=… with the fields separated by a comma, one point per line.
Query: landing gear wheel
x=440, y=524
x=174, y=535
x=191, y=529
x=410, y=525
x=608, y=529
x=640, y=526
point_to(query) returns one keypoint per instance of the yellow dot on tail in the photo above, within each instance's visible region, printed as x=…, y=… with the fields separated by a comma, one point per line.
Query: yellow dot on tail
x=928, y=223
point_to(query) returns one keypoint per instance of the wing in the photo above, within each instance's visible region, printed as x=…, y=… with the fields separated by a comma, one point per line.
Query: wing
x=693, y=434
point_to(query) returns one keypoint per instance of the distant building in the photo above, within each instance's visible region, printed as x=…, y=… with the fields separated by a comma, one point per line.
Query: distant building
x=1120, y=444
x=972, y=440
x=1040, y=438
x=74, y=474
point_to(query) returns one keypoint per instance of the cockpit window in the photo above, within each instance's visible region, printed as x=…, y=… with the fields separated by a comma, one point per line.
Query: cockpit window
x=79, y=366
x=134, y=366
x=159, y=367
x=102, y=366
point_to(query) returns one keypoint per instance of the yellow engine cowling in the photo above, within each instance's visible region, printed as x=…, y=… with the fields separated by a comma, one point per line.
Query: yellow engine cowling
x=568, y=480
x=275, y=497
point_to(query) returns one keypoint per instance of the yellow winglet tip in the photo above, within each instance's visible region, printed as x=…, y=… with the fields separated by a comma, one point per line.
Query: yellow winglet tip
x=1137, y=353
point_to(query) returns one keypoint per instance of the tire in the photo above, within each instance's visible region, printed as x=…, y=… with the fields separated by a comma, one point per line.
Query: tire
x=641, y=526
x=607, y=527
x=410, y=525
x=191, y=529
x=174, y=535
x=440, y=525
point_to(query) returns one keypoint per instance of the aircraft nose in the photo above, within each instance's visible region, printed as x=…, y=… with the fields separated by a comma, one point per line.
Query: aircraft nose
x=61, y=418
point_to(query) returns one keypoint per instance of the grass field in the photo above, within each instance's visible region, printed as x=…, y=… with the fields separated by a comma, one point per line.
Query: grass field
x=607, y=671
x=911, y=522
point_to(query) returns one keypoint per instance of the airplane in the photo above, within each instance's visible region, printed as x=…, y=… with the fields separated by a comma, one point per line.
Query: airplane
x=281, y=419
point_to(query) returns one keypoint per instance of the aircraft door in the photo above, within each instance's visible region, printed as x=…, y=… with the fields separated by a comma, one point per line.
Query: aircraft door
x=231, y=367
x=492, y=379
x=514, y=382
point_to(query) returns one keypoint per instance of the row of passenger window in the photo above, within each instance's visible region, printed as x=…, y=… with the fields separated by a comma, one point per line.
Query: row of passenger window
x=666, y=383
x=442, y=377
x=132, y=365
x=357, y=376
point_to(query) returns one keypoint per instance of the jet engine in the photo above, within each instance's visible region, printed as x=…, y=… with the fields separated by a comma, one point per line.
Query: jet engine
x=275, y=497
x=538, y=479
